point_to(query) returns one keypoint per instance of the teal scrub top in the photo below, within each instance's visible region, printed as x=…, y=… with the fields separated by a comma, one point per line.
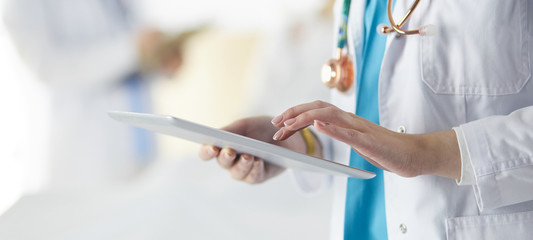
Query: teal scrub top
x=365, y=202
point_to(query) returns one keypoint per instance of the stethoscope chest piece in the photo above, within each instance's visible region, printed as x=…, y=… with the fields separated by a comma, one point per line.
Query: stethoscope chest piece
x=338, y=73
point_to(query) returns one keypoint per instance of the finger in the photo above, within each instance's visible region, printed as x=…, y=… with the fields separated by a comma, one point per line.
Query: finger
x=242, y=166
x=297, y=110
x=257, y=173
x=349, y=136
x=226, y=157
x=330, y=114
x=208, y=152
x=283, y=134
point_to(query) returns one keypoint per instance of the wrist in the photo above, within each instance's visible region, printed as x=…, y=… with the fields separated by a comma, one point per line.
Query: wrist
x=298, y=143
x=441, y=154
x=295, y=142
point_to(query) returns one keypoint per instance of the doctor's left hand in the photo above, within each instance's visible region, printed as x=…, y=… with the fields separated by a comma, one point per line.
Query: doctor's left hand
x=407, y=155
x=243, y=166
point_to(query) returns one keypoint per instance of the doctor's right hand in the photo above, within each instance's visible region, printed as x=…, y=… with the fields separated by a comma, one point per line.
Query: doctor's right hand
x=246, y=167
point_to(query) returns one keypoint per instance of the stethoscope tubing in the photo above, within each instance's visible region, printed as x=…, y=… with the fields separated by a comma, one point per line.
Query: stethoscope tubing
x=338, y=72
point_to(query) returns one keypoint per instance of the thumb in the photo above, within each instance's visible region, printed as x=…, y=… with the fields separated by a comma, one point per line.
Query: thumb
x=237, y=127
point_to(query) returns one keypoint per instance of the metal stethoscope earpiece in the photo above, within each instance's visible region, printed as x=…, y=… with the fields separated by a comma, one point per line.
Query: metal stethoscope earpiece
x=338, y=72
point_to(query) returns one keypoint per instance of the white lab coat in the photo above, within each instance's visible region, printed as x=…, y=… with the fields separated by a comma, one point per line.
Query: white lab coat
x=475, y=75
x=83, y=51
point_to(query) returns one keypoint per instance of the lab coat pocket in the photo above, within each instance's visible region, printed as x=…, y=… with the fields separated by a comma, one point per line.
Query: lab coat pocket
x=514, y=225
x=480, y=48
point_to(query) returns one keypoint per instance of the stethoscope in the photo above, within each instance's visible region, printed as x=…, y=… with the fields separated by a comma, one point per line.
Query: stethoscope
x=338, y=72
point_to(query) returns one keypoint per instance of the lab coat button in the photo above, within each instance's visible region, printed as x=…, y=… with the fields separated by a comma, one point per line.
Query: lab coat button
x=401, y=129
x=403, y=228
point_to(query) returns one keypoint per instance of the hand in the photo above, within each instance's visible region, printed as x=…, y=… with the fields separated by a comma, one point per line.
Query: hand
x=407, y=155
x=245, y=167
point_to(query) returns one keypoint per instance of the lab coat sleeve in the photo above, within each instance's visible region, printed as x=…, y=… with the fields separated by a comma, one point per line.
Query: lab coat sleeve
x=467, y=170
x=501, y=153
x=312, y=183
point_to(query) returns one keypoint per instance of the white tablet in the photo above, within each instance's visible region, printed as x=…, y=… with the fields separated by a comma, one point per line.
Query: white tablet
x=206, y=135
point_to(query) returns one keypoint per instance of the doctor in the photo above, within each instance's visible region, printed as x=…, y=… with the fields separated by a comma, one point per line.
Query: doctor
x=447, y=115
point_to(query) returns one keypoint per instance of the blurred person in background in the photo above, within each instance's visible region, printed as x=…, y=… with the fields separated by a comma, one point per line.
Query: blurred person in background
x=95, y=56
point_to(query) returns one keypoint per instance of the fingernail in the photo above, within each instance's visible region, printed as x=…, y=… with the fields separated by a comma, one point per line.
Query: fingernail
x=319, y=123
x=289, y=122
x=246, y=158
x=211, y=151
x=278, y=134
x=227, y=155
x=277, y=120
